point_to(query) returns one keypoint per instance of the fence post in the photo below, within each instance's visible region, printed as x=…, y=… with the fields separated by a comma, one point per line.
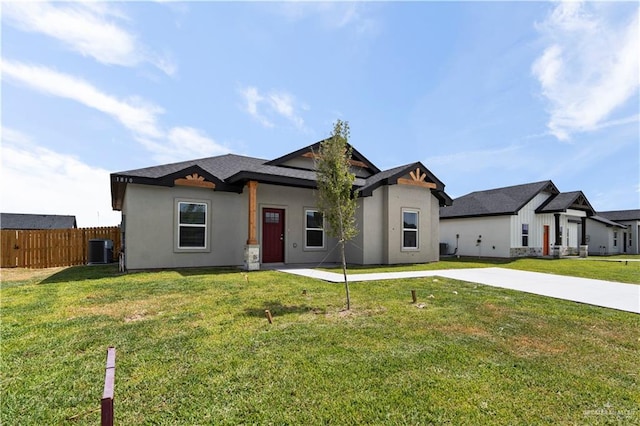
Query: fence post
x=106, y=406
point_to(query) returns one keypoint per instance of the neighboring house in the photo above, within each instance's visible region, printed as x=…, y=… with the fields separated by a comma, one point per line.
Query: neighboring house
x=532, y=219
x=237, y=210
x=20, y=221
x=614, y=232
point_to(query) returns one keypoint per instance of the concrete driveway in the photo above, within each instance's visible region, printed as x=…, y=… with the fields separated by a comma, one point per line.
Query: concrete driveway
x=608, y=294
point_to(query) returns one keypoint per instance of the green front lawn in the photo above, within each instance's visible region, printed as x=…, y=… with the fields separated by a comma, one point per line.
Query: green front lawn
x=194, y=347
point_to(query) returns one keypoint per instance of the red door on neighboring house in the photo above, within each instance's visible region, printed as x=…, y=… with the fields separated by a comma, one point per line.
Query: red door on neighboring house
x=272, y=235
x=545, y=241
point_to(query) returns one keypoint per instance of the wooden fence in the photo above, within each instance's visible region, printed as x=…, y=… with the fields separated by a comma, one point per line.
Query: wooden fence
x=52, y=247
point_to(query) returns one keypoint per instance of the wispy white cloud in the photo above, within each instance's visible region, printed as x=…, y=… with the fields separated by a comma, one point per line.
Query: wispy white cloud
x=265, y=108
x=590, y=68
x=133, y=113
x=89, y=28
x=511, y=157
x=136, y=114
x=333, y=15
x=252, y=98
x=28, y=168
x=182, y=143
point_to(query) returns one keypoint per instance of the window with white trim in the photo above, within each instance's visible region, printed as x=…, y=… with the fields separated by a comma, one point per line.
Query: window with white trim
x=525, y=235
x=192, y=225
x=313, y=229
x=410, y=229
x=615, y=238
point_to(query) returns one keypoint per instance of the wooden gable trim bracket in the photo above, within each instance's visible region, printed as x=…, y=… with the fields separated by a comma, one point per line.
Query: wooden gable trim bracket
x=417, y=179
x=194, y=180
x=355, y=163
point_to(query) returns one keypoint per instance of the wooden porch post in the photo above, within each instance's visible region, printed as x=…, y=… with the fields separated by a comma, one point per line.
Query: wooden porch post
x=253, y=186
x=252, y=249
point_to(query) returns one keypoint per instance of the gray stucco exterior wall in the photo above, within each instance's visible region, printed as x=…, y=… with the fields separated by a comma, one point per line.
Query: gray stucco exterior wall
x=151, y=237
x=294, y=201
x=150, y=240
x=409, y=198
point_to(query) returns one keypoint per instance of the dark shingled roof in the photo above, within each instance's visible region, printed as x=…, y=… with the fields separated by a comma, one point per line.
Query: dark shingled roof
x=36, y=221
x=222, y=166
x=566, y=200
x=606, y=221
x=230, y=172
x=617, y=215
x=493, y=202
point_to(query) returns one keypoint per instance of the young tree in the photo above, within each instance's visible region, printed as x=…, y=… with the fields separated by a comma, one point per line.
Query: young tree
x=336, y=197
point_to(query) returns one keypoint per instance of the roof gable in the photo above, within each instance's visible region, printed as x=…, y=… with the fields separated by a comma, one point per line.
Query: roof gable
x=413, y=173
x=308, y=152
x=575, y=200
x=499, y=201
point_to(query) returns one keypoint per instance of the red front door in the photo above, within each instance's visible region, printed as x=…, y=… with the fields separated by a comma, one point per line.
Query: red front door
x=545, y=241
x=272, y=235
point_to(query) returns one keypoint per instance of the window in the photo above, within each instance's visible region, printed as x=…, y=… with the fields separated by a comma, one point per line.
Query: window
x=314, y=229
x=271, y=217
x=525, y=235
x=409, y=229
x=615, y=238
x=192, y=225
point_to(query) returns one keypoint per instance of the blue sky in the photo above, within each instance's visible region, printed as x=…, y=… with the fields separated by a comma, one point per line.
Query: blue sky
x=485, y=94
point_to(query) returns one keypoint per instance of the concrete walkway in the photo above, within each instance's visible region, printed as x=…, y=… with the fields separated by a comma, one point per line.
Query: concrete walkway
x=608, y=294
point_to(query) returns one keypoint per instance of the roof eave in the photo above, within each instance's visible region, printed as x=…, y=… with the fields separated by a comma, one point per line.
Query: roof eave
x=467, y=216
x=245, y=176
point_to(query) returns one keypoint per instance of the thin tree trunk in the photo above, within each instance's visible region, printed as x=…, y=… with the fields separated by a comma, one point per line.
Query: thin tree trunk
x=344, y=262
x=344, y=272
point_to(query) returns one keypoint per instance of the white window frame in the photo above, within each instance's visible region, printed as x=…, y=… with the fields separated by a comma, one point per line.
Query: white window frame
x=306, y=229
x=179, y=225
x=525, y=233
x=403, y=229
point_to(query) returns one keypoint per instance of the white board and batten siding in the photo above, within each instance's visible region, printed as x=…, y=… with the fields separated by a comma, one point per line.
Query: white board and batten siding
x=536, y=222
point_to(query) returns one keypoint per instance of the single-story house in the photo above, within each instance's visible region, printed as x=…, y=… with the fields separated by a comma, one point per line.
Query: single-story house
x=23, y=221
x=614, y=232
x=237, y=210
x=533, y=219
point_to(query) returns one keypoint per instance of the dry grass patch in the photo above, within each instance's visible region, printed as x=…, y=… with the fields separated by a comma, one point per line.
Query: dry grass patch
x=126, y=310
x=26, y=274
x=463, y=329
x=528, y=346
